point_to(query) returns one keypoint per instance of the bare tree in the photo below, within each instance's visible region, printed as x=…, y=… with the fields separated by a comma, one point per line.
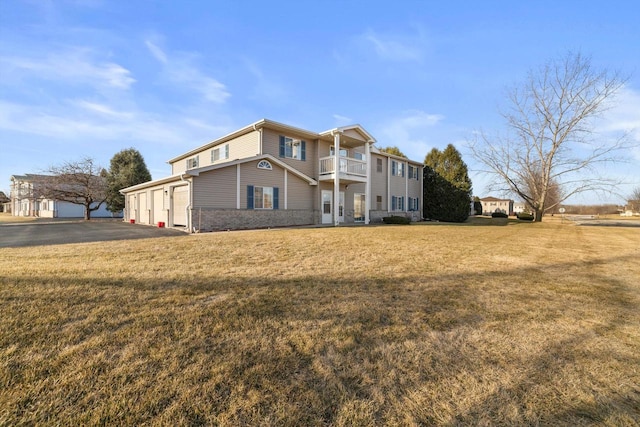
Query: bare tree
x=82, y=183
x=551, y=140
x=635, y=194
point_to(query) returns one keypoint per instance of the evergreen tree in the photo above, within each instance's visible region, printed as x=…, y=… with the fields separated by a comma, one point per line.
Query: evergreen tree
x=127, y=168
x=447, y=187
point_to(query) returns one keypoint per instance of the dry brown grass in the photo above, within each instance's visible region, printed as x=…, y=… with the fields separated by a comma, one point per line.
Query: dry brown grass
x=395, y=325
x=7, y=218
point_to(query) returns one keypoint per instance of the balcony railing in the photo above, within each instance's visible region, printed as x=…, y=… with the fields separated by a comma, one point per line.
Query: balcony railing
x=347, y=166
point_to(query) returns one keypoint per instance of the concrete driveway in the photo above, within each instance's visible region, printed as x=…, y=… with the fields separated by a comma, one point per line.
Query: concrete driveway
x=57, y=232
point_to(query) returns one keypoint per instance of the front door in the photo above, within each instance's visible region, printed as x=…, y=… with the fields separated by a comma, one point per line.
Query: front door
x=358, y=207
x=327, y=207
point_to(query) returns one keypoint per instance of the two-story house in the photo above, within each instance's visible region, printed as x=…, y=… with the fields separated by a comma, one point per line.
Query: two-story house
x=493, y=204
x=269, y=174
x=28, y=199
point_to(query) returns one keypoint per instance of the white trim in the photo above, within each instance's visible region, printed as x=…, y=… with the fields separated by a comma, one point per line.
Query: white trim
x=389, y=185
x=286, y=191
x=336, y=180
x=238, y=186
x=367, y=188
x=406, y=185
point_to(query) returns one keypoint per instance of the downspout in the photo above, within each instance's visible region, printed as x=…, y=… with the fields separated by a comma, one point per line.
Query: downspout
x=188, y=207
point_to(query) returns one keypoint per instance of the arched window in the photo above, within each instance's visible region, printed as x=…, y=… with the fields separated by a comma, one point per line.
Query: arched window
x=264, y=164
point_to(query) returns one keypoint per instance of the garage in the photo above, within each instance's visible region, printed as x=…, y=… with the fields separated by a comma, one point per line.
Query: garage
x=158, y=206
x=180, y=200
x=144, y=210
x=131, y=206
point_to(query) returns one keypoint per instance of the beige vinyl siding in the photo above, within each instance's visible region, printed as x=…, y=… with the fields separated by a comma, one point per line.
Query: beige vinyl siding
x=354, y=134
x=242, y=147
x=398, y=184
x=300, y=193
x=215, y=189
x=271, y=145
x=178, y=166
x=324, y=148
x=251, y=175
x=247, y=145
x=378, y=181
x=414, y=185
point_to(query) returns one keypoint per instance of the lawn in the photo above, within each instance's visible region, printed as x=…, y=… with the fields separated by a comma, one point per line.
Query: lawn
x=425, y=324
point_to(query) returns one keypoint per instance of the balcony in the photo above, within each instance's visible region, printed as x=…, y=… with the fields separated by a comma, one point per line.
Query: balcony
x=351, y=170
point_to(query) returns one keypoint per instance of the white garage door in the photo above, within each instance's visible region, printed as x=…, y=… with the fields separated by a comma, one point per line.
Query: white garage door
x=158, y=206
x=180, y=201
x=144, y=211
x=132, y=207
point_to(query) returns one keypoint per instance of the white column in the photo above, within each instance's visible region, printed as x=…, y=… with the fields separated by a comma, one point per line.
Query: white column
x=367, y=188
x=406, y=186
x=238, y=186
x=389, y=184
x=286, y=190
x=336, y=180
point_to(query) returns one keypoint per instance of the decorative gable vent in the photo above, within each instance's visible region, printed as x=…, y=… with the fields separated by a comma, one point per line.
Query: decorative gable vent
x=264, y=164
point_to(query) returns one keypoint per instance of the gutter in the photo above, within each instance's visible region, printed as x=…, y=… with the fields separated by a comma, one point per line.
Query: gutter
x=188, y=207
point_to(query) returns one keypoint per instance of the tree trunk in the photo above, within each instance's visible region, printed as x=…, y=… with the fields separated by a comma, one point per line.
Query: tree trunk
x=538, y=215
x=87, y=213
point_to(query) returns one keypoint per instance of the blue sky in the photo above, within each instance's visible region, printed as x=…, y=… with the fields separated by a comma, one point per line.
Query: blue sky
x=90, y=77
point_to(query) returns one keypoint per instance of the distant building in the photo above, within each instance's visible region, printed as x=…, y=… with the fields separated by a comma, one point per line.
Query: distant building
x=27, y=200
x=519, y=207
x=493, y=204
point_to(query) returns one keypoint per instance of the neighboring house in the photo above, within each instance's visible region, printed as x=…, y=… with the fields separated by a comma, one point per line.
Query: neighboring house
x=519, y=207
x=27, y=200
x=632, y=208
x=493, y=204
x=269, y=174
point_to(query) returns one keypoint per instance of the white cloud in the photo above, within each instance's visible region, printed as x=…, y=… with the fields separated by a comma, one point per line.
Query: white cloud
x=156, y=52
x=84, y=120
x=395, y=47
x=408, y=46
x=73, y=67
x=179, y=68
x=410, y=132
x=342, y=120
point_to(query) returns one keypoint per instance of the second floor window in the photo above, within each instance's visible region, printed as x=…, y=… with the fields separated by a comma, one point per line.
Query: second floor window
x=192, y=162
x=379, y=165
x=397, y=168
x=220, y=153
x=291, y=148
x=413, y=172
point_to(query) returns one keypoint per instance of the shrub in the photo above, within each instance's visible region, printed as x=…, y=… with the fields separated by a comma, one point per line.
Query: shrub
x=524, y=216
x=396, y=220
x=499, y=215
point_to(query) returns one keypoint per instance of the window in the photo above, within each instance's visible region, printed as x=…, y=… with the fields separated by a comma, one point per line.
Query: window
x=291, y=148
x=264, y=164
x=413, y=172
x=358, y=156
x=379, y=203
x=192, y=162
x=379, y=165
x=343, y=152
x=262, y=197
x=414, y=204
x=220, y=153
x=397, y=168
x=397, y=203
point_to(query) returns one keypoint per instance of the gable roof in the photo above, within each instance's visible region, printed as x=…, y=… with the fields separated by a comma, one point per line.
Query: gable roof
x=366, y=136
x=269, y=157
x=494, y=199
x=197, y=171
x=276, y=126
